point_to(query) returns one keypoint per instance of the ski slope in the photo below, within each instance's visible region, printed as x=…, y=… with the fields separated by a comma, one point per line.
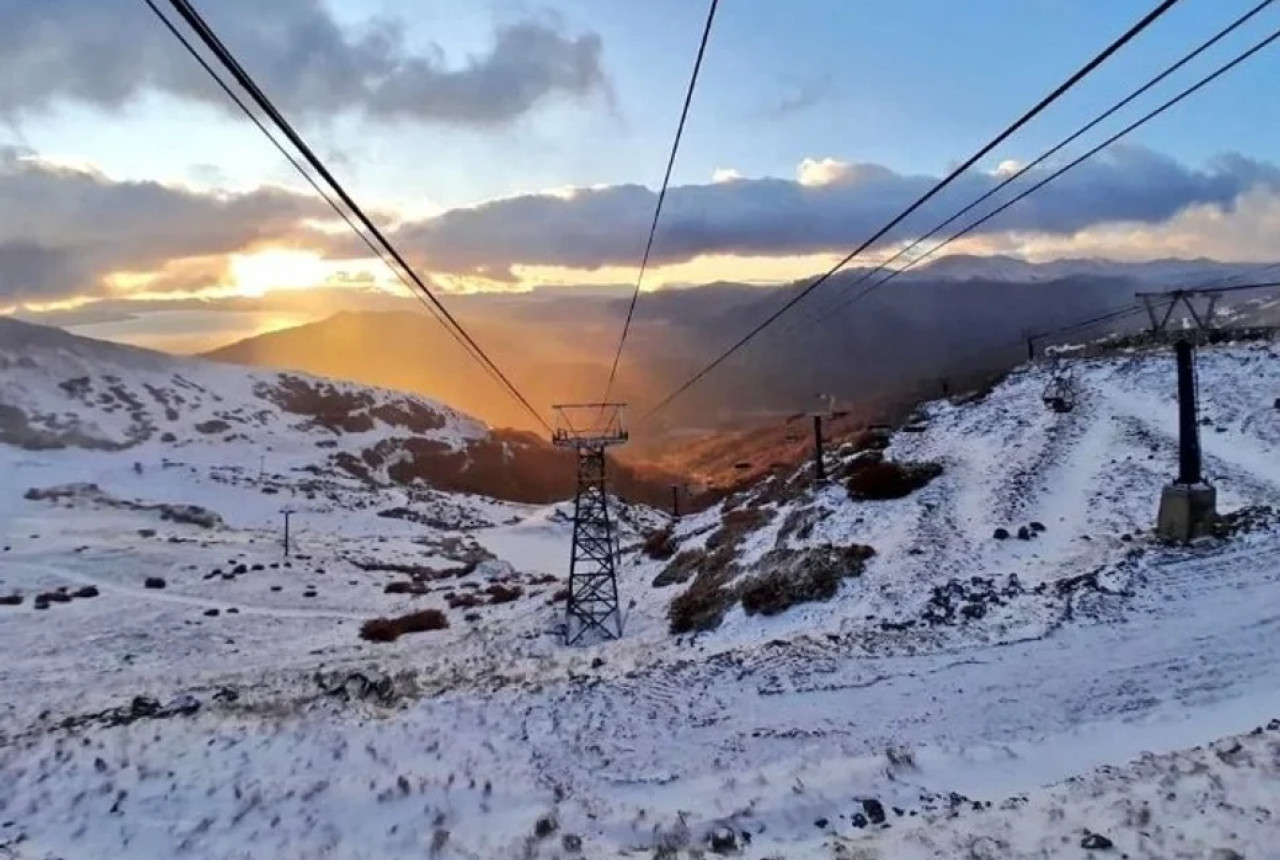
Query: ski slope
x=1072, y=705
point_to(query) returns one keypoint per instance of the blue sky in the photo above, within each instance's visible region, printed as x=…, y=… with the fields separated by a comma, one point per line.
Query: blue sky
x=908, y=87
x=912, y=84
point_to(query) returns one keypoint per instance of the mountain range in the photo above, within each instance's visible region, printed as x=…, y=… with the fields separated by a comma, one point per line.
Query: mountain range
x=943, y=325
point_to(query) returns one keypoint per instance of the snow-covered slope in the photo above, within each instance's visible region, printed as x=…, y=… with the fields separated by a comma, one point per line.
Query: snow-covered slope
x=62, y=393
x=947, y=671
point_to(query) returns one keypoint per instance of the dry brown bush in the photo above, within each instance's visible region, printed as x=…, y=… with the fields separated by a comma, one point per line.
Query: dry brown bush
x=465, y=600
x=703, y=604
x=659, y=545
x=499, y=593
x=887, y=479
x=737, y=523
x=801, y=577
x=391, y=629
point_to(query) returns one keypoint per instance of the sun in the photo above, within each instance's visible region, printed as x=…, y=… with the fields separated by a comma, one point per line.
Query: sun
x=259, y=273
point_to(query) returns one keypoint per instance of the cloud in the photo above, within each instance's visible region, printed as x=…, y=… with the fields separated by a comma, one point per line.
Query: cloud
x=65, y=229
x=99, y=53
x=725, y=174
x=1008, y=167
x=825, y=171
x=831, y=206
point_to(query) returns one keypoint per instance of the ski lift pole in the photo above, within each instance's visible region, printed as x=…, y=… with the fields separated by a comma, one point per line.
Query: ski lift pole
x=819, y=467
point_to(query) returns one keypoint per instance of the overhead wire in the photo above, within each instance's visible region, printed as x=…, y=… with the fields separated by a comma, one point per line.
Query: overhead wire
x=1145, y=118
x=214, y=44
x=305, y=174
x=943, y=183
x=1040, y=159
x=662, y=196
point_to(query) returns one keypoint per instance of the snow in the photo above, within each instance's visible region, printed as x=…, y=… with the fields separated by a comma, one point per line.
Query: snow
x=1068, y=709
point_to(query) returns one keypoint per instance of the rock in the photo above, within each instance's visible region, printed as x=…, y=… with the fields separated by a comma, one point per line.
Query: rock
x=185, y=705
x=724, y=841
x=211, y=613
x=87, y=591
x=256, y=567
x=14, y=599
x=858, y=820
x=545, y=826
x=143, y=706
x=821, y=823
x=571, y=843
x=226, y=694
x=154, y=582
x=1096, y=842
x=233, y=611
x=240, y=570
x=1225, y=854
x=1037, y=526
x=597, y=662
x=1024, y=533
x=146, y=533
x=1126, y=538
x=277, y=588
x=874, y=810
x=1000, y=534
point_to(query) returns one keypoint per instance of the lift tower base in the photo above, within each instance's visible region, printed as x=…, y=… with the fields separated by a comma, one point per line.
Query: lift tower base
x=590, y=429
x=1188, y=506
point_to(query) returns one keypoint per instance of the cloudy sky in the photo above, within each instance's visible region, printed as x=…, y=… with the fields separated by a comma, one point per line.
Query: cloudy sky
x=517, y=142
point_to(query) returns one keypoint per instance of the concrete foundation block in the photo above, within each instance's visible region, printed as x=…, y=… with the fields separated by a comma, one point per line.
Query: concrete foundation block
x=1187, y=512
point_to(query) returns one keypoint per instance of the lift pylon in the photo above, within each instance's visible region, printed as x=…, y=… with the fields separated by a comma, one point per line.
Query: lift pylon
x=589, y=429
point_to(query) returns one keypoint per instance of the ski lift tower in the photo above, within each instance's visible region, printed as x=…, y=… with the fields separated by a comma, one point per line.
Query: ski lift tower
x=590, y=429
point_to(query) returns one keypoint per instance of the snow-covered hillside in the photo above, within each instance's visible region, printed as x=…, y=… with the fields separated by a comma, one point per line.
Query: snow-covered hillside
x=853, y=677
x=183, y=417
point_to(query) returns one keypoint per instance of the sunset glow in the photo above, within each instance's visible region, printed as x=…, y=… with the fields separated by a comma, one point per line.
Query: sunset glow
x=259, y=273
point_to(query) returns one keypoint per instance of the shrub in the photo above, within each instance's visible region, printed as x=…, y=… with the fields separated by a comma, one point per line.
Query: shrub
x=888, y=479
x=499, y=593
x=154, y=582
x=391, y=629
x=735, y=524
x=86, y=591
x=404, y=588
x=465, y=600
x=703, y=604
x=11, y=600
x=801, y=577
x=694, y=561
x=659, y=545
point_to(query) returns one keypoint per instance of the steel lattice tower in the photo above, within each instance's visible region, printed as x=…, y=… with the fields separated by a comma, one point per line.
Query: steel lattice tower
x=593, y=581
